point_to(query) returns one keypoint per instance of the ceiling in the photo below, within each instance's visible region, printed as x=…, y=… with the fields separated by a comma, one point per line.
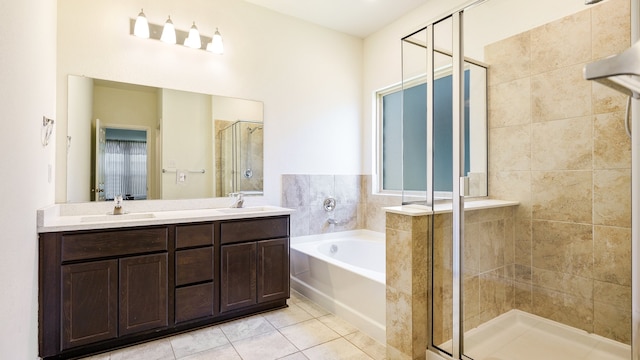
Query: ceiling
x=360, y=18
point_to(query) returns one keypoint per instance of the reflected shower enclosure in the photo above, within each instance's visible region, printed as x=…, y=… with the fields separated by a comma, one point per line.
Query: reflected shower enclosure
x=241, y=158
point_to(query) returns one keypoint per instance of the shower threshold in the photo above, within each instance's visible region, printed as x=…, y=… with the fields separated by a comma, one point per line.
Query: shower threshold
x=517, y=335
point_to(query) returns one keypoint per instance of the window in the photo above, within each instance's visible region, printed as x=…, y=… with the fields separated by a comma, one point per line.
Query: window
x=403, y=139
x=125, y=169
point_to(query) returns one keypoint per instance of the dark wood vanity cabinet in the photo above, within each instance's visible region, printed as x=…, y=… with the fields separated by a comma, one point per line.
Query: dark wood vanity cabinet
x=144, y=294
x=255, y=262
x=102, y=289
x=273, y=270
x=89, y=291
x=97, y=286
x=194, y=280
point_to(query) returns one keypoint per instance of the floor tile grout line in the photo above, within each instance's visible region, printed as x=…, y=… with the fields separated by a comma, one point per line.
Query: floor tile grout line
x=361, y=349
x=230, y=342
x=295, y=300
x=302, y=298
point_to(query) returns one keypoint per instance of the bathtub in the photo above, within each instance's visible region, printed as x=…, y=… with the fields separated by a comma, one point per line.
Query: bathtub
x=344, y=272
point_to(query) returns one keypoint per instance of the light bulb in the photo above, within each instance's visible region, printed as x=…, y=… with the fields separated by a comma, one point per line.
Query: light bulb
x=193, y=40
x=216, y=45
x=168, y=32
x=141, y=28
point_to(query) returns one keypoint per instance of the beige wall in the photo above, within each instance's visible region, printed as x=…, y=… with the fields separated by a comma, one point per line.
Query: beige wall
x=557, y=144
x=187, y=146
x=79, y=140
x=129, y=107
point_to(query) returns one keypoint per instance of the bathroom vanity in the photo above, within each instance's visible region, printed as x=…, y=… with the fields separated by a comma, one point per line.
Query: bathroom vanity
x=108, y=283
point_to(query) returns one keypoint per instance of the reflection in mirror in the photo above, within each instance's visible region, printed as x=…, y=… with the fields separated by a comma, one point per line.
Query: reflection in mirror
x=152, y=143
x=240, y=157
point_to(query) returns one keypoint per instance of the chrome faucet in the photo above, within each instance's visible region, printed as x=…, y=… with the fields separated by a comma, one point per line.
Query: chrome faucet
x=238, y=200
x=117, y=205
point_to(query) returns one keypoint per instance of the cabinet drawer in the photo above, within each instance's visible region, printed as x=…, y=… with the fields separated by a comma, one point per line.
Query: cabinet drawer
x=80, y=246
x=194, y=235
x=194, y=302
x=253, y=229
x=194, y=265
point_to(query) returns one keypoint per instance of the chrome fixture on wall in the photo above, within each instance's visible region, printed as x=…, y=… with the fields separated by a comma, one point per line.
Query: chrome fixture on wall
x=140, y=27
x=591, y=2
x=47, y=129
x=619, y=72
x=329, y=204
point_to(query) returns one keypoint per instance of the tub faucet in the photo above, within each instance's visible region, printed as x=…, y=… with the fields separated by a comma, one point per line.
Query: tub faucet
x=238, y=200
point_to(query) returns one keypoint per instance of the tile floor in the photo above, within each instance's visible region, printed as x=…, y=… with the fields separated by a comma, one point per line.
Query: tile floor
x=304, y=330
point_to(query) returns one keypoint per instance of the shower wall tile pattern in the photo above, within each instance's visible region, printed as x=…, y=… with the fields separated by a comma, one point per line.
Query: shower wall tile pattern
x=356, y=207
x=407, y=265
x=558, y=146
x=488, y=269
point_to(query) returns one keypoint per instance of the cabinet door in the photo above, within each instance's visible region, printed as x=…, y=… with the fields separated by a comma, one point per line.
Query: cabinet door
x=143, y=293
x=273, y=270
x=89, y=292
x=238, y=276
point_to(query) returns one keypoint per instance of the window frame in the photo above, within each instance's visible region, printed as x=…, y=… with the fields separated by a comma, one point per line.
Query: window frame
x=377, y=185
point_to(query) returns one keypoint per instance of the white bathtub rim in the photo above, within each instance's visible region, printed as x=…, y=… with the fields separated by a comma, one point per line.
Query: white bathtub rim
x=306, y=245
x=361, y=321
x=375, y=235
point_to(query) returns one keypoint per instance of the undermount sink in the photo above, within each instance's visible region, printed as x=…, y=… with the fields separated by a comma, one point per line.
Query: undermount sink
x=111, y=217
x=242, y=210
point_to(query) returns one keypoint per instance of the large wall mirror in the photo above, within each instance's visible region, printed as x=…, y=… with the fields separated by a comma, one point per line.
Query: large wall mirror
x=145, y=142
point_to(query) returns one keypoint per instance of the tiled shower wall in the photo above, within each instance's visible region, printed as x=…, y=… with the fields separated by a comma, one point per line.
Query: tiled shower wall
x=356, y=207
x=487, y=273
x=557, y=144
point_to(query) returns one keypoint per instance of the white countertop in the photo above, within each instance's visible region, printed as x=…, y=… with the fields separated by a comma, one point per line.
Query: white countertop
x=447, y=207
x=59, y=217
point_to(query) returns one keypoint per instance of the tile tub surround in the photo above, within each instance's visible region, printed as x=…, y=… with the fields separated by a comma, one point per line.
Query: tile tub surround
x=557, y=144
x=357, y=207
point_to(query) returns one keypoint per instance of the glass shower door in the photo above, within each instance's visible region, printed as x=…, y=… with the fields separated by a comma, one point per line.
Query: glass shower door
x=242, y=158
x=551, y=277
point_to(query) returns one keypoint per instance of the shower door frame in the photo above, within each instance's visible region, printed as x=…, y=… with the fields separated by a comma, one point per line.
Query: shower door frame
x=459, y=191
x=458, y=178
x=635, y=200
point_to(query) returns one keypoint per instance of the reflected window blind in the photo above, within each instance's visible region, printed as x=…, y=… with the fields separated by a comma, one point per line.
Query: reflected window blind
x=125, y=169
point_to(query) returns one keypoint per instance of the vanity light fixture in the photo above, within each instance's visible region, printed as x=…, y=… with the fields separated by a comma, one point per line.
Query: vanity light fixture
x=140, y=27
x=193, y=40
x=168, y=32
x=216, y=45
